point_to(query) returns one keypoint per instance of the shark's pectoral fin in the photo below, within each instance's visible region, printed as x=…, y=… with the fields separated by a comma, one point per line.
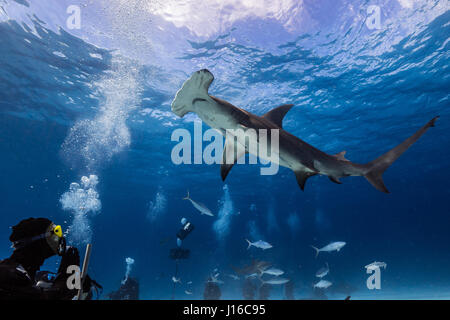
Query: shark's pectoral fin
x=224, y=169
x=231, y=153
x=335, y=180
x=341, y=156
x=302, y=176
x=276, y=115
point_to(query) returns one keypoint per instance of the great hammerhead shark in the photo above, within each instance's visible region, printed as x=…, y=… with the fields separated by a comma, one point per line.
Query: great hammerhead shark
x=302, y=158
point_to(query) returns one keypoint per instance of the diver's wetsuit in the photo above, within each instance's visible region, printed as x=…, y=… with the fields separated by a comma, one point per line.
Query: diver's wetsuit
x=212, y=291
x=129, y=290
x=34, y=240
x=20, y=283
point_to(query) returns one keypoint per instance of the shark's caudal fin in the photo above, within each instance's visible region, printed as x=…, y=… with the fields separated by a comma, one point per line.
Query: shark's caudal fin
x=317, y=250
x=260, y=271
x=249, y=243
x=378, y=166
x=187, y=196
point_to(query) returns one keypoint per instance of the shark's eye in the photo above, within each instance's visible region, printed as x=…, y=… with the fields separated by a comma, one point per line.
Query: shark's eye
x=197, y=99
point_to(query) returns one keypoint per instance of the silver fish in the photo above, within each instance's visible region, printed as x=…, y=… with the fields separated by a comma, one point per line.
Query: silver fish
x=322, y=284
x=199, y=206
x=175, y=280
x=322, y=272
x=273, y=272
x=259, y=244
x=215, y=278
x=375, y=265
x=333, y=246
x=276, y=281
x=234, y=277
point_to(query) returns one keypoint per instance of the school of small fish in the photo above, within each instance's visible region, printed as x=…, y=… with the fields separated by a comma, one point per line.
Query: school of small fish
x=265, y=269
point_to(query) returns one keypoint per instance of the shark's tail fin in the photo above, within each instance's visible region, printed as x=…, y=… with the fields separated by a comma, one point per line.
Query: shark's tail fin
x=187, y=197
x=317, y=250
x=377, y=167
x=249, y=243
x=260, y=271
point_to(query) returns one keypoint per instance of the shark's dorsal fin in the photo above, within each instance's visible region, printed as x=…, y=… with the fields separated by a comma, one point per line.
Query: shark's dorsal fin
x=341, y=156
x=231, y=153
x=302, y=176
x=276, y=115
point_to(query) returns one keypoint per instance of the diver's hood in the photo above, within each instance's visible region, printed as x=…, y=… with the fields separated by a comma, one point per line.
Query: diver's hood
x=53, y=237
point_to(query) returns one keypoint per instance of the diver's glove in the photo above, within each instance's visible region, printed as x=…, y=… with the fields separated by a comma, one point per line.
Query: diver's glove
x=59, y=290
x=69, y=258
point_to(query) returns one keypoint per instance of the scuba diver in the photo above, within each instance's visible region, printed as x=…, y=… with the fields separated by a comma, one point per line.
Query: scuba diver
x=184, y=231
x=249, y=289
x=289, y=291
x=129, y=290
x=34, y=240
x=180, y=253
x=264, y=292
x=212, y=290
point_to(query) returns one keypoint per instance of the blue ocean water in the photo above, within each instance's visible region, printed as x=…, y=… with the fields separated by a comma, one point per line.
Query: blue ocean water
x=96, y=101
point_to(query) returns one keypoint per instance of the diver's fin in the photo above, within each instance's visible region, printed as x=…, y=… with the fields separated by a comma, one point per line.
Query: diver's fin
x=335, y=180
x=341, y=156
x=276, y=115
x=377, y=167
x=302, y=176
x=232, y=151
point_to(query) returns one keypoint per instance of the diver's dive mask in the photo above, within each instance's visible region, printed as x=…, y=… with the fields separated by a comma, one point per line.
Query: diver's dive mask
x=53, y=236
